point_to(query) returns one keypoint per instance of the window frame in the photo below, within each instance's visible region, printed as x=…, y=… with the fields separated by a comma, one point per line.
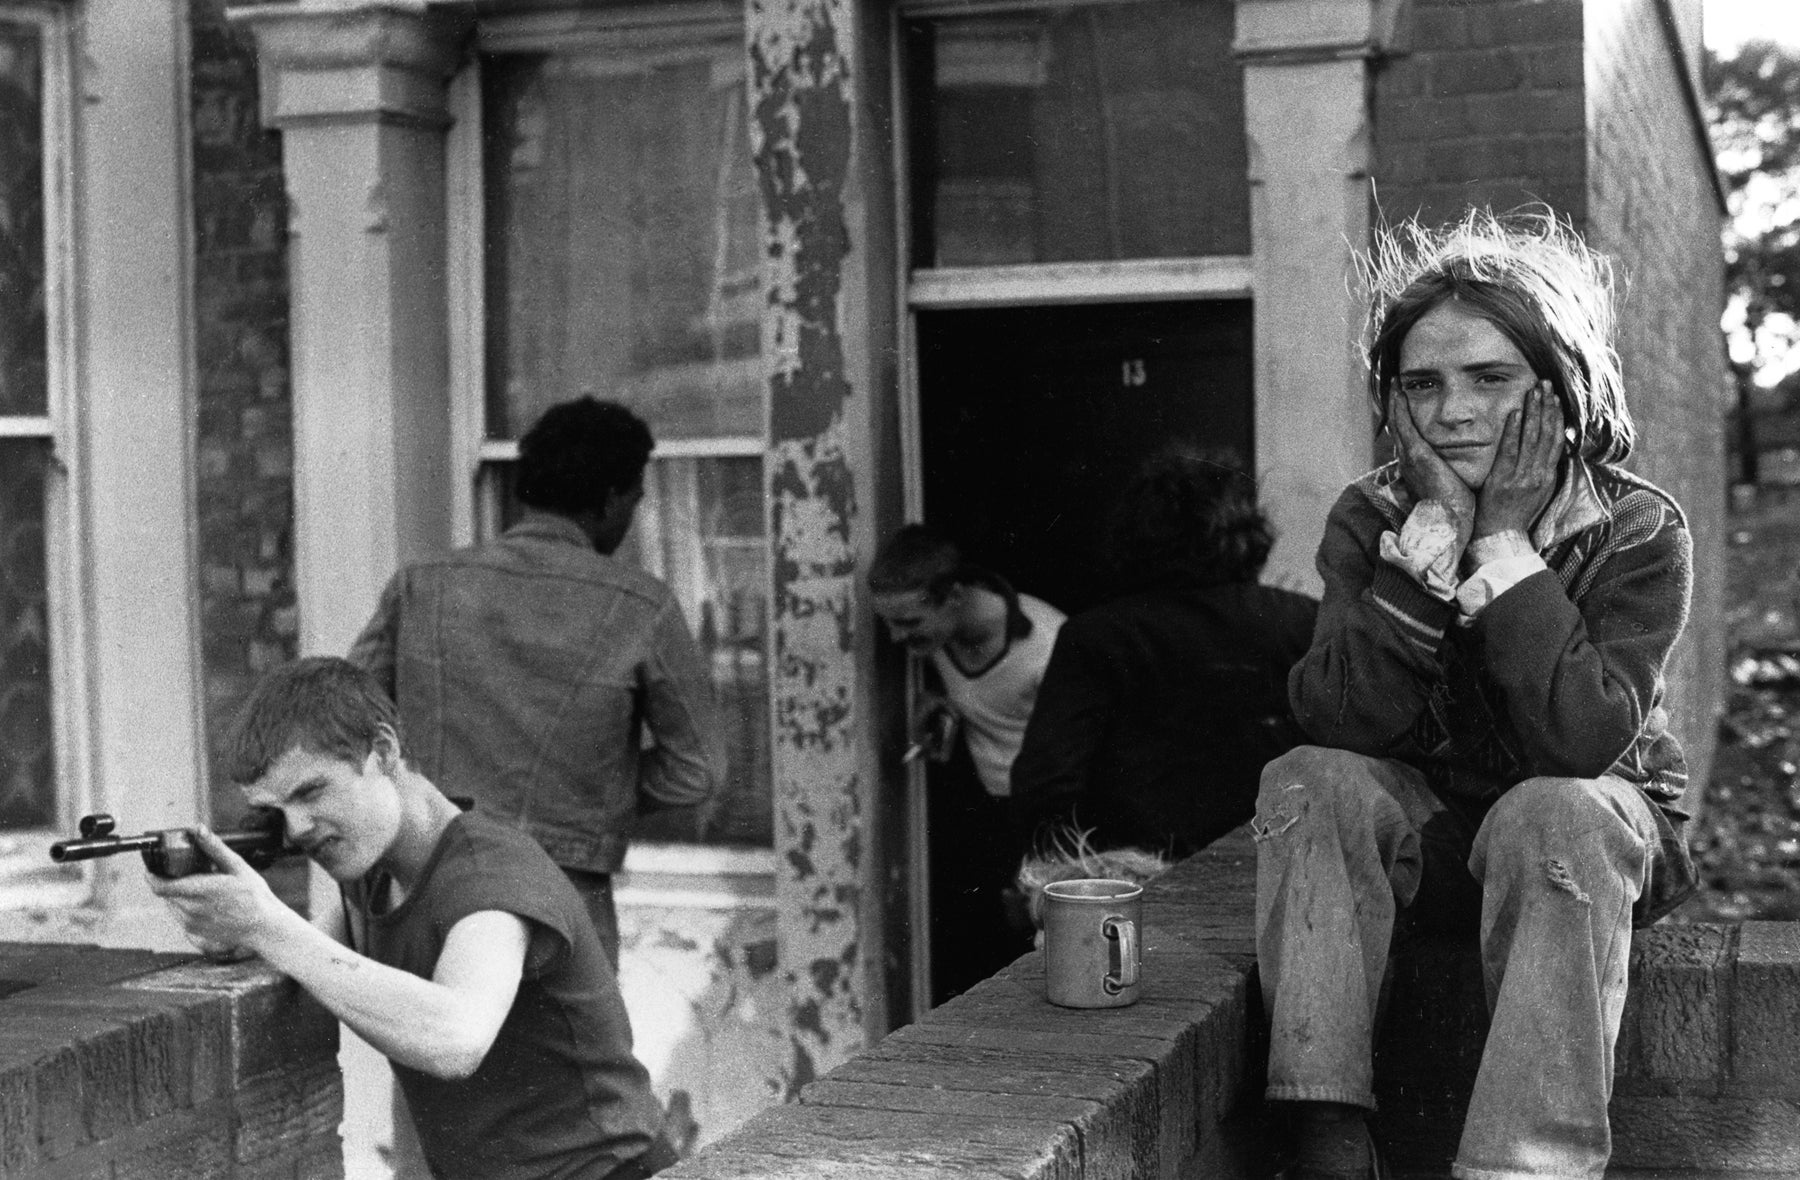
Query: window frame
x=28, y=878
x=476, y=511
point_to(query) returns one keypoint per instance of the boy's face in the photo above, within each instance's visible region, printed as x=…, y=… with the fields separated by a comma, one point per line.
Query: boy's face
x=1460, y=376
x=345, y=817
x=916, y=622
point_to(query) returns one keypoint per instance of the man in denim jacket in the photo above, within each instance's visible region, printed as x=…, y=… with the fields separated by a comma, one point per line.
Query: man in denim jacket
x=527, y=668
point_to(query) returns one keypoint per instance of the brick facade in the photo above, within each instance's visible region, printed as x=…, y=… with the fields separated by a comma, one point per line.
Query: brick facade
x=1481, y=104
x=245, y=434
x=1653, y=207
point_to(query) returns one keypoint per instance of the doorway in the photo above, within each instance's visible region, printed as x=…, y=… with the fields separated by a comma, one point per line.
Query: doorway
x=1030, y=421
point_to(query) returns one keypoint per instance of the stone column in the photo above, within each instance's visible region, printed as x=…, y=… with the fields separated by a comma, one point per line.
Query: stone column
x=358, y=91
x=812, y=157
x=1307, y=119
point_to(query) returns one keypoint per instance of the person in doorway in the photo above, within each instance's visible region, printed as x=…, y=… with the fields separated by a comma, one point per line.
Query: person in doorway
x=459, y=951
x=987, y=645
x=528, y=668
x=1161, y=706
x=1485, y=688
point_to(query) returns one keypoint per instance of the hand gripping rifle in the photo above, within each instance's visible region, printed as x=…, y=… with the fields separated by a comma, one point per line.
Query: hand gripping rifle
x=172, y=852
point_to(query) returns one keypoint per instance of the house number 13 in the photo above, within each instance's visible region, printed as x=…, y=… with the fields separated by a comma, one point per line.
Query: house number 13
x=1131, y=373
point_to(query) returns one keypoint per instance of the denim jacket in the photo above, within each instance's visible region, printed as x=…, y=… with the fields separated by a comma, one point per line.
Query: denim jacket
x=527, y=670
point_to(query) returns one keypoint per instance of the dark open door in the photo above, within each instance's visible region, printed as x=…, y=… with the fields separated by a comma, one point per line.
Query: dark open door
x=1031, y=420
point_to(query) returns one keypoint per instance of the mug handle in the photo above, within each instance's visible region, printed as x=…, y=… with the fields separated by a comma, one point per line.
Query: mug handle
x=1123, y=931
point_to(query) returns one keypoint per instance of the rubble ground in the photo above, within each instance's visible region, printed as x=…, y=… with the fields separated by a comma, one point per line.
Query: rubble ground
x=1746, y=841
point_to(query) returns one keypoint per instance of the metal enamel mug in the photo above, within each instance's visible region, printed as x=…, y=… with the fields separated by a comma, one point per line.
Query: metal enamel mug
x=1091, y=942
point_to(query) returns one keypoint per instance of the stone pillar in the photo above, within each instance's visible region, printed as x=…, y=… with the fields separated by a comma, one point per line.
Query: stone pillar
x=358, y=91
x=1307, y=119
x=131, y=458
x=810, y=150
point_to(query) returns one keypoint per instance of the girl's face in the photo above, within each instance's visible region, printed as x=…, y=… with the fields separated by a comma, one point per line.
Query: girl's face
x=1459, y=378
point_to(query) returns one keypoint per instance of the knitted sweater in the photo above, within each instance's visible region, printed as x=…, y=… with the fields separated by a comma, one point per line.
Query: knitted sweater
x=1561, y=676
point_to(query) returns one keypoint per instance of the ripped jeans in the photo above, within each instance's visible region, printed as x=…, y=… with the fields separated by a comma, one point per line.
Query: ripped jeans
x=1345, y=842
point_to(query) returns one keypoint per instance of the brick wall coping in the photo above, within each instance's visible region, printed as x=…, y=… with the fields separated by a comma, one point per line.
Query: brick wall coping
x=127, y=1063
x=1000, y=1083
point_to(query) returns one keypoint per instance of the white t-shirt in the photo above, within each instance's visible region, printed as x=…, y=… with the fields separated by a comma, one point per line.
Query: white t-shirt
x=996, y=702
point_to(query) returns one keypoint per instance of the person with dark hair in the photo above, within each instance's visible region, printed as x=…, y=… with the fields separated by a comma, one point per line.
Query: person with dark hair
x=528, y=667
x=1485, y=691
x=1160, y=707
x=987, y=645
x=458, y=950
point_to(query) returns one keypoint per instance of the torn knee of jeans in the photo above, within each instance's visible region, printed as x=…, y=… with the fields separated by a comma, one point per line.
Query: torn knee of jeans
x=1562, y=879
x=1275, y=821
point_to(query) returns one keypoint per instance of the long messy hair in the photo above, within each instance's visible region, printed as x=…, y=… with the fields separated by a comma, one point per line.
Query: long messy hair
x=1531, y=276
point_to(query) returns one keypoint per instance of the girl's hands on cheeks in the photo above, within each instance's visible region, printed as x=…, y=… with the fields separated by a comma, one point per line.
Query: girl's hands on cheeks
x=1525, y=471
x=1426, y=474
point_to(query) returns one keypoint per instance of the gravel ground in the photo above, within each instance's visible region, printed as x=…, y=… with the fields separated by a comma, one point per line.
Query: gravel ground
x=1747, y=842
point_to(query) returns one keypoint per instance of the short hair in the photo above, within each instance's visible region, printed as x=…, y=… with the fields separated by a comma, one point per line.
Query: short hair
x=323, y=705
x=1532, y=277
x=919, y=558
x=577, y=452
x=1188, y=515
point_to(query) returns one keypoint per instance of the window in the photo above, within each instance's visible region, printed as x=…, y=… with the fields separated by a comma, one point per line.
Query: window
x=1076, y=133
x=31, y=484
x=42, y=780
x=620, y=215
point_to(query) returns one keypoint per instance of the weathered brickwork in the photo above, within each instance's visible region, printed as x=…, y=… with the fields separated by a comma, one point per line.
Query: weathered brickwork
x=1481, y=104
x=129, y=1064
x=999, y=1082
x=1653, y=207
x=245, y=436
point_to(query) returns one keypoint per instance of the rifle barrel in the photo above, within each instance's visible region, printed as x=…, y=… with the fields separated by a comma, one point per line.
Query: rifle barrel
x=64, y=850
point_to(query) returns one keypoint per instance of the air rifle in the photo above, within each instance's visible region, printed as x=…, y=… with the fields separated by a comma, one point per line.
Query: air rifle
x=172, y=852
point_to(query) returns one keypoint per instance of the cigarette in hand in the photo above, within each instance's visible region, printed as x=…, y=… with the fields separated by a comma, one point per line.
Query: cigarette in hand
x=912, y=752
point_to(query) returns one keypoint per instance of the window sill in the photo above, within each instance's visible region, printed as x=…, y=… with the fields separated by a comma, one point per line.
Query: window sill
x=696, y=876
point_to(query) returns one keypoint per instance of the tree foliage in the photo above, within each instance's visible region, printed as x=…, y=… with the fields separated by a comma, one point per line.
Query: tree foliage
x=1755, y=101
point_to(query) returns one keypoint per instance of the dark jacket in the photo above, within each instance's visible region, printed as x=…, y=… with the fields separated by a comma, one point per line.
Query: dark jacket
x=527, y=671
x=1157, y=713
x=1561, y=676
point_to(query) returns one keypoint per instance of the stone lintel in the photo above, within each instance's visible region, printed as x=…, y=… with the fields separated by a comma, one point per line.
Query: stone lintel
x=1275, y=32
x=375, y=61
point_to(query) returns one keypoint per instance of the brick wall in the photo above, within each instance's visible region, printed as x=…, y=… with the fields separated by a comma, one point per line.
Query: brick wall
x=1652, y=206
x=1481, y=104
x=245, y=447
x=128, y=1064
x=1000, y=1082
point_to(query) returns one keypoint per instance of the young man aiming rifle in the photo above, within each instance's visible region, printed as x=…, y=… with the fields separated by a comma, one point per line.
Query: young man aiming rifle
x=460, y=950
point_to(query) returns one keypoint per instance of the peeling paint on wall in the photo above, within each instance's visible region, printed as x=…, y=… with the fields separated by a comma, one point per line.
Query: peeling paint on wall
x=801, y=135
